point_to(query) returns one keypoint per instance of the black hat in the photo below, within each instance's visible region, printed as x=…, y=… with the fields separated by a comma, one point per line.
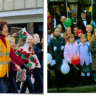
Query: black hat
x=84, y=12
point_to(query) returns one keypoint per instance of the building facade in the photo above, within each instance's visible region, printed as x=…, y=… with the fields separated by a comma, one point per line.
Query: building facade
x=75, y=6
x=23, y=13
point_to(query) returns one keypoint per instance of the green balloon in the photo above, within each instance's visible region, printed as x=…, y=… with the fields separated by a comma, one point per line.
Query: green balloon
x=68, y=22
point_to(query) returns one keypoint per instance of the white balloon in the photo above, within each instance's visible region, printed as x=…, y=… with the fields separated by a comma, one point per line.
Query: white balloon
x=49, y=58
x=65, y=68
x=53, y=62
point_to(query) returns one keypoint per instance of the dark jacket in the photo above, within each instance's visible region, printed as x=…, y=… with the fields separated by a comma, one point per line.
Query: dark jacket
x=57, y=54
x=81, y=25
x=93, y=53
x=63, y=28
x=39, y=53
x=52, y=27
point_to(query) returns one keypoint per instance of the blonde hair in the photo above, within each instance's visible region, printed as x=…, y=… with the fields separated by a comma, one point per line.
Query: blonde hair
x=93, y=36
x=54, y=34
x=82, y=35
x=10, y=39
x=66, y=31
x=89, y=25
x=71, y=36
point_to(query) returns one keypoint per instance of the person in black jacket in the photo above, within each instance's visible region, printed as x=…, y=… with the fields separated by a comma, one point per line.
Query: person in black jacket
x=38, y=72
x=83, y=21
x=62, y=19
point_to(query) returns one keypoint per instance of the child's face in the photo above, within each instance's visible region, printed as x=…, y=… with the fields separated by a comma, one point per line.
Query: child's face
x=57, y=32
x=88, y=28
x=49, y=20
x=79, y=34
x=36, y=38
x=60, y=27
x=62, y=19
x=75, y=30
x=83, y=40
x=29, y=41
x=71, y=40
x=68, y=32
x=12, y=44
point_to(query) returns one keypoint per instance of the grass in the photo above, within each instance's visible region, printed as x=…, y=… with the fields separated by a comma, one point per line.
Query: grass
x=79, y=89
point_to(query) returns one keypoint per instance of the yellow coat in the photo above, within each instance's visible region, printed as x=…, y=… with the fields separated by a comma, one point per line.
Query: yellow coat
x=4, y=58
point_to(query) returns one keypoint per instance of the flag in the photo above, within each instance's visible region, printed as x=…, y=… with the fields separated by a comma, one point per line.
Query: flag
x=21, y=75
x=48, y=12
x=91, y=14
x=21, y=52
x=23, y=33
x=33, y=59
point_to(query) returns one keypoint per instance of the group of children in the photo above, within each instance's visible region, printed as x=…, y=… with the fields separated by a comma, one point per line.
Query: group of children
x=33, y=46
x=66, y=44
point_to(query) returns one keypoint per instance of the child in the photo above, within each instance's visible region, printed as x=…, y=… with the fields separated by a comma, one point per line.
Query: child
x=75, y=30
x=67, y=33
x=78, y=33
x=85, y=59
x=88, y=30
x=93, y=52
x=71, y=49
x=13, y=70
x=56, y=48
x=60, y=28
x=38, y=72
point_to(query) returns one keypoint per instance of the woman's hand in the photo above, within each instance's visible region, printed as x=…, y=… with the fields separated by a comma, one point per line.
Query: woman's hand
x=18, y=67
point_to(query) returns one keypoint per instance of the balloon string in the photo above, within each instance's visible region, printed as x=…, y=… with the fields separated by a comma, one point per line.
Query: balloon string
x=76, y=67
x=51, y=72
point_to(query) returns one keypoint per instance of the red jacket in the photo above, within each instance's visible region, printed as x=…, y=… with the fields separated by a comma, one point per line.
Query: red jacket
x=13, y=56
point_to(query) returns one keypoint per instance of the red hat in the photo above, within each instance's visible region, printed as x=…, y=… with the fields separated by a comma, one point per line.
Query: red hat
x=79, y=31
x=50, y=16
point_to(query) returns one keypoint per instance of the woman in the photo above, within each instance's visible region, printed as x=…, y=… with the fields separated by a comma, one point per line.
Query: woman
x=5, y=52
x=93, y=53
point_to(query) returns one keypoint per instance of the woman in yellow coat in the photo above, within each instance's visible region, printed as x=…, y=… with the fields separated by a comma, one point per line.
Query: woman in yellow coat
x=5, y=52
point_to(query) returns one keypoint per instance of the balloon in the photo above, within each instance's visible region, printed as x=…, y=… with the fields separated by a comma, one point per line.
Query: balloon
x=65, y=68
x=79, y=31
x=49, y=58
x=53, y=63
x=75, y=60
x=68, y=22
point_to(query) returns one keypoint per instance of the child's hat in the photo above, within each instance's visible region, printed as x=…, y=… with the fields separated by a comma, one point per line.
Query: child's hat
x=50, y=16
x=79, y=31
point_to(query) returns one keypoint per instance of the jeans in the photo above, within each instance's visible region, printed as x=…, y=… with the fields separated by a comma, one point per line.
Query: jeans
x=12, y=82
x=38, y=84
x=4, y=85
x=27, y=83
